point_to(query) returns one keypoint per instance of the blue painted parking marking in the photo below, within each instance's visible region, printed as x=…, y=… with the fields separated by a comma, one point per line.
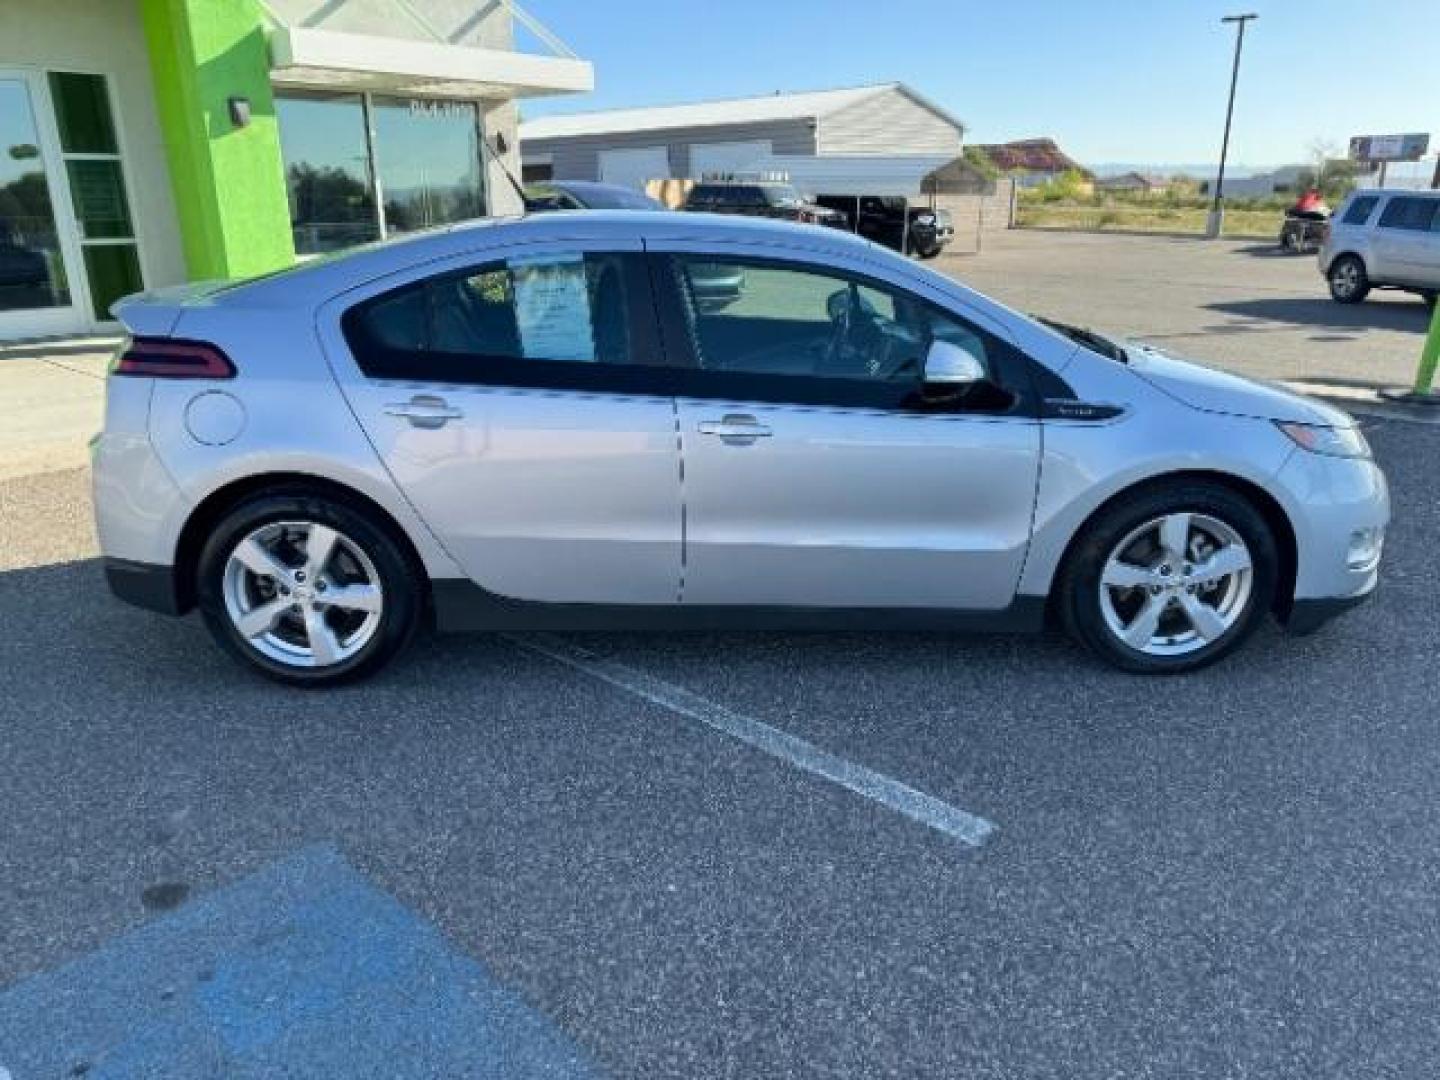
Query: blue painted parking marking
x=303, y=969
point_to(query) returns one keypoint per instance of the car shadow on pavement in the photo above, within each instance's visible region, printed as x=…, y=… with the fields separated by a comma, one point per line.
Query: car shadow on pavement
x=1324, y=314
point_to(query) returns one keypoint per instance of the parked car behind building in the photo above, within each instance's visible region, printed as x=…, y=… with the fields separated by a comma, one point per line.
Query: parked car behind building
x=770, y=199
x=584, y=195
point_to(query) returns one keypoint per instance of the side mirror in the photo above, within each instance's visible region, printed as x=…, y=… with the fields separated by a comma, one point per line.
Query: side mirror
x=952, y=367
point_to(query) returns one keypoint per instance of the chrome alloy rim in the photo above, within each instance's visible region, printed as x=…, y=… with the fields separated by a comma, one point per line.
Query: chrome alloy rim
x=302, y=593
x=1176, y=584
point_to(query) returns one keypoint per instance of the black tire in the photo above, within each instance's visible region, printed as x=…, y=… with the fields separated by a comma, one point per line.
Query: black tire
x=1078, y=593
x=1428, y=298
x=1349, y=283
x=401, y=580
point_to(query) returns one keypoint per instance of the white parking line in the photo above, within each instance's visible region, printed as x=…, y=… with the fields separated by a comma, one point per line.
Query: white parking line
x=916, y=805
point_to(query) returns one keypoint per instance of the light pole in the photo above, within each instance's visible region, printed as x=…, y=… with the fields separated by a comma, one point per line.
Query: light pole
x=1216, y=220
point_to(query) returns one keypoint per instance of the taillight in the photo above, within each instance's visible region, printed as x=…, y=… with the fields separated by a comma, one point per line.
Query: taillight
x=170, y=358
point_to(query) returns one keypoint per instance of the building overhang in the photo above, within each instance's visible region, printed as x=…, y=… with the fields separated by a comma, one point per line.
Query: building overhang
x=304, y=56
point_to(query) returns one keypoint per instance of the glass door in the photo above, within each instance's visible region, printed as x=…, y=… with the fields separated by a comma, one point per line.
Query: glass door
x=40, y=293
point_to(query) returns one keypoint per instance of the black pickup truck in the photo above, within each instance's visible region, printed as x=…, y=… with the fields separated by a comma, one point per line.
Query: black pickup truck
x=881, y=219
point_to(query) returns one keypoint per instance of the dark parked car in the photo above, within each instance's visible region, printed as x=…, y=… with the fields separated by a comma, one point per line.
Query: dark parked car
x=585, y=195
x=771, y=199
x=882, y=218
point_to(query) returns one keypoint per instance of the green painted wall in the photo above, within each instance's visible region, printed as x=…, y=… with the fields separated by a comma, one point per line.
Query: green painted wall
x=229, y=182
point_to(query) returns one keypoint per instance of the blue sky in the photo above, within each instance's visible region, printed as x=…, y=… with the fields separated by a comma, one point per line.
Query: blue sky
x=1143, y=81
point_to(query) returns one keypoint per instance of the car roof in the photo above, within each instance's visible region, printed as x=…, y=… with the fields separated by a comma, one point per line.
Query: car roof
x=322, y=277
x=1424, y=193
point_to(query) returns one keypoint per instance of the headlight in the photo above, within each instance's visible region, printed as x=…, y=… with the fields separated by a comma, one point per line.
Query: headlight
x=1322, y=439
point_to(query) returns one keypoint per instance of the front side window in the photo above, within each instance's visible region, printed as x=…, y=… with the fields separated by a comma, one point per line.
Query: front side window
x=790, y=332
x=490, y=323
x=1360, y=209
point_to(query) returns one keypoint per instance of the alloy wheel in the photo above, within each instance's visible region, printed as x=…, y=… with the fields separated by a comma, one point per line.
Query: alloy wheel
x=302, y=593
x=1346, y=278
x=1176, y=584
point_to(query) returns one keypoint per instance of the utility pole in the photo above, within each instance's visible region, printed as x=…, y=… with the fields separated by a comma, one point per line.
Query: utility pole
x=1216, y=221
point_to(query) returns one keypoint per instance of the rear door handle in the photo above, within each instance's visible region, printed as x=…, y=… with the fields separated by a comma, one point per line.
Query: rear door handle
x=425, y=411
x=737, y=428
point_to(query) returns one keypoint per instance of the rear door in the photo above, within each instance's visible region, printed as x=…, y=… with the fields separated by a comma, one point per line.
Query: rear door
x=519, y=402
x=814, y=474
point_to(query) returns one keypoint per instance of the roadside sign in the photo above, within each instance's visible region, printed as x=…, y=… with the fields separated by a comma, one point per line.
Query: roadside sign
x=1409, y=147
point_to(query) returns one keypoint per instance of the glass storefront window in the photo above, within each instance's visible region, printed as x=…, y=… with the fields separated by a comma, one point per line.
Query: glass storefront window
x=32, y=269
x=327, y=170
x=97, y=187
x=423, y=156
x=428, y=153
x=82, y=111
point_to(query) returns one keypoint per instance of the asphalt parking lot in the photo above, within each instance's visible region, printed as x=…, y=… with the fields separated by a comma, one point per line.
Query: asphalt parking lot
x=1241, y=305
x=727, y=856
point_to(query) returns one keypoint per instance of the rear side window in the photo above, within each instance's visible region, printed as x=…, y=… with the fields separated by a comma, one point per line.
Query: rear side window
x=1360, y=210
x=480, y=325
x=1410, y=212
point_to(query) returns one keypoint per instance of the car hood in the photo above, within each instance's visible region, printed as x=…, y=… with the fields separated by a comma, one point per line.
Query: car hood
x=1209, y=390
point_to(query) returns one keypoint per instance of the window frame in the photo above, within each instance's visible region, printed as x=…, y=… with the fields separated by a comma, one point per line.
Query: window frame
x=647, y=373
x=1011, y=369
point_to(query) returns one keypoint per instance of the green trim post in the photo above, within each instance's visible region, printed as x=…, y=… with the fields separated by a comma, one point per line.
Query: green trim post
x=1429, y=355
x=228, y=181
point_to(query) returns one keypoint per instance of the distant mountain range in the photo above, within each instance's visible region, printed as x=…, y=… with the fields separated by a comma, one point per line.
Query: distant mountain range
x=1199, y=172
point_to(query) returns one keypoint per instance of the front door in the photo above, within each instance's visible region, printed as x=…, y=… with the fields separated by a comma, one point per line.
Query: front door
x=816, y=473
x=41, y=291
x=520, y=404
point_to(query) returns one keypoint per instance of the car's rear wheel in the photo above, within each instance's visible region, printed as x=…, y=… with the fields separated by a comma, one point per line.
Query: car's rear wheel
x=307, y=590
x=1349, y=283
x=1169, y=581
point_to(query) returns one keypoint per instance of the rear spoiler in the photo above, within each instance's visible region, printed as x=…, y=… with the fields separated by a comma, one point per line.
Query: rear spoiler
x=155, y=313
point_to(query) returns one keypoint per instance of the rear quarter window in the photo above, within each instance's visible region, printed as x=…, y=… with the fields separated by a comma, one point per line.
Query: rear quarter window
x=1410, y=212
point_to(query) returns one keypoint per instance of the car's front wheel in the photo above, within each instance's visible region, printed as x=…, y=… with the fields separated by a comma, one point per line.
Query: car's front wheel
x=1349, y=283
x=307, y=590
x=1170, y=580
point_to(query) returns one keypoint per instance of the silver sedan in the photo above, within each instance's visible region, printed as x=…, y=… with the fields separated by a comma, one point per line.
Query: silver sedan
x=554, y=422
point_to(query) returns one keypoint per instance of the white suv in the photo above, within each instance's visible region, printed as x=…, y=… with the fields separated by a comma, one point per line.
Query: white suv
x=1383, y=240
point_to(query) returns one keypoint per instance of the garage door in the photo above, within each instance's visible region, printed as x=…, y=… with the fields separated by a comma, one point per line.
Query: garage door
x=632, y=168
x=726, y=157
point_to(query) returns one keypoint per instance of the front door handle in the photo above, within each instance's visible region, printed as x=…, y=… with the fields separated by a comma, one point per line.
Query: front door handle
x=425, y=411
x=735, y=428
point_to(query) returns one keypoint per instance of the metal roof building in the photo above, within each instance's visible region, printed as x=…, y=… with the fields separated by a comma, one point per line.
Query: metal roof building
x=633, y=146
